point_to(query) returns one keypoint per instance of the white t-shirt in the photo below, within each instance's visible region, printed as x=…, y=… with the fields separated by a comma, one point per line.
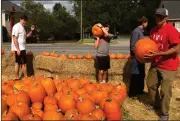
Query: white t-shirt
x=20, y=33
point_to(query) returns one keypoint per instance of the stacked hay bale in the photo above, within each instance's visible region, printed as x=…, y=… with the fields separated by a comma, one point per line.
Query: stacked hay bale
x=52, y=66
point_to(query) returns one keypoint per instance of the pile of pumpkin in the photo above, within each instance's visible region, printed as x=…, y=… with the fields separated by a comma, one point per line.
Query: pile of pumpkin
x=42, y=98
x=80, y=56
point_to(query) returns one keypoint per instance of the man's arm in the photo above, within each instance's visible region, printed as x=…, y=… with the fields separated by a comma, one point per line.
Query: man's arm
x=30, y=33
x=16, y=43
x=96, y=44
x=15, y=34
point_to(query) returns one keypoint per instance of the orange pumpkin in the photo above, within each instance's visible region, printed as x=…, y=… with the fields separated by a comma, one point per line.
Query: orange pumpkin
x=37, y=112
x=45, y=53
x=49, y=86
x=112, y=56
x=36, y=92
x=57, y=95
x=98, y=95
x=84, y=80
x=37, y=106
x=4, y=107
x=53, y=54
x=63, y=56
x=89, y=56
x=20, y=109
x=114, y=116
x=66, y=102
x=89, y=87
x=79, y=56
x=74, y=84
x=52, y=115
x=144, y=46
x=72, y=114
x=50, y=100
x=85, y=106
x=87, y=117
x=10, y=116
x=31, y=117
x=50, y=107
x=97, y=31
x=111, y=106
x=99, y=114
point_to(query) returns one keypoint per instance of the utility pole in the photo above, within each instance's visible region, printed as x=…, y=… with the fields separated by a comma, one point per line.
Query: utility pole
x=81, y=21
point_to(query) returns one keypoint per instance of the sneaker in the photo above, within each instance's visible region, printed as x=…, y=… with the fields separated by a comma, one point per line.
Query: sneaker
x=164, y=118
x=103, y=81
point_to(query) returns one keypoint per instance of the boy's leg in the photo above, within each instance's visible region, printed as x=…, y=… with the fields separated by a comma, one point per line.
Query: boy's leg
x=100, y=75
x=153, y=83
x=133, y=85
x=24, y=61
x=105, y=75
x=166, y=89
x=24, y=69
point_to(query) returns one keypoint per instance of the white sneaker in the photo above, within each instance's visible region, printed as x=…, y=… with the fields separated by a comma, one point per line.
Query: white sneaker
x=103, y=81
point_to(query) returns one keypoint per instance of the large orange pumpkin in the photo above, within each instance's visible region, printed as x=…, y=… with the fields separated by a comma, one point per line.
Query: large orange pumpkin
x=144, y=46
x=97, y=31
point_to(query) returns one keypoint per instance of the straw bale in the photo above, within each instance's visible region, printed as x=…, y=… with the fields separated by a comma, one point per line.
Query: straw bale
x=10, y=59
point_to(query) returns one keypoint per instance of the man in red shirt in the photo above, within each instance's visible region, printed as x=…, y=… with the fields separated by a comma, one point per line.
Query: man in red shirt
x=163, y=68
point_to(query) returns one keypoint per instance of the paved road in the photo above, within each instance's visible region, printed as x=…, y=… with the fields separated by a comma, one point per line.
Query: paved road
x=73, y=48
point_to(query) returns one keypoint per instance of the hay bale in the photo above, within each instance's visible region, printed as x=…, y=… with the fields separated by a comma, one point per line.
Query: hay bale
x=3, y=64
x=10, y=59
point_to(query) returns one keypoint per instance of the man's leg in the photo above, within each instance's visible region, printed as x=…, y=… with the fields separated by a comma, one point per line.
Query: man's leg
x=133, y=85
x=166, y=89
x=17, y=70
x=24, y=61
x=153, y=83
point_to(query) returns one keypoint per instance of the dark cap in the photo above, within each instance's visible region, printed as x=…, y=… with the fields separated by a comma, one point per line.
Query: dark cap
x=162, y=11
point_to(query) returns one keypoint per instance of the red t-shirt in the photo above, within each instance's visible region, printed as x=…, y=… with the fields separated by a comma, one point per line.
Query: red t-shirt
x=164, y=38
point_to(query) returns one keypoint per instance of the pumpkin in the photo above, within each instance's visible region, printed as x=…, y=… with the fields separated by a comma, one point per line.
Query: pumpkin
x=18, y=96
x=53, y=54
x=7, y=88
x=10, y=116
x=89, y=56
x=49, y=86
x=63, y=56
x=144, y=46
x=99, y=114
x=50, y=107
x=73, y=84
x=89, y=87
x=79, y=56
x=85, y=106
x=112, y=56
x=37, y=106
x=86, y=117
x=31, y=117
x=57, y=95
x=97, y=31
x=114, y=116
x=83, y=81
x=36, y=92
x=18, y=85
x=80, y=91
x=45, y=53
x=20, y=109
x=72, y=114
x=121, y=89
x=52, y=115
x=50, y=100
x=4, y=107
x=37, y=112
x=98, y=95
x=119, y=56
x=66, y=102
x=117, y=96
x=111, y=106
x=28, y=80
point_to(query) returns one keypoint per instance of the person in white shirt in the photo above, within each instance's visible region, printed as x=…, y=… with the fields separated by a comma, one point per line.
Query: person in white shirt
x=18, y=45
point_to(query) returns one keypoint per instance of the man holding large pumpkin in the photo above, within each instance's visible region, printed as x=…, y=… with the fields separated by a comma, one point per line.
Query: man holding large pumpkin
x=163, y=68
x=138, y=69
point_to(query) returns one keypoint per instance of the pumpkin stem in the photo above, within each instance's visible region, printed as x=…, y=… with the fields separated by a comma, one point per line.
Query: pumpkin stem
x=80, y=99
x=31, y=116
x=108, y=100
x=97, y=106
x=58, y=110
x=70, y=117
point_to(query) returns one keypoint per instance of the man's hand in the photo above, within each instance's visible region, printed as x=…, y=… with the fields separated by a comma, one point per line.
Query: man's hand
x=32, y=27
x=99, y=25
x=18, y=52
x=151, y=55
